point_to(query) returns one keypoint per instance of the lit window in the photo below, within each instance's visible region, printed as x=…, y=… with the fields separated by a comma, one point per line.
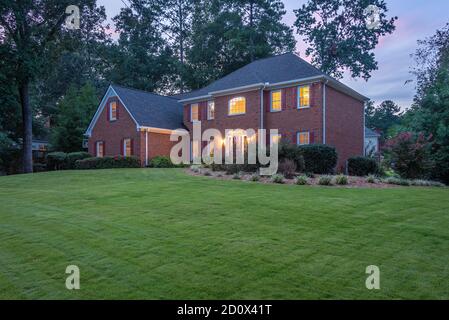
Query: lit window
x=127, y=147
x=275, y=138
x=303, y=97
x=210, y=110
x=237, y=106
x=276, y=100
x=303, y=138
x=100, y=149
x=113, y=111
x=194, y=113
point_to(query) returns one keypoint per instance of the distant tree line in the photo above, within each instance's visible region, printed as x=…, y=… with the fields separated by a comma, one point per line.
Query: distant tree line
x=50, y=72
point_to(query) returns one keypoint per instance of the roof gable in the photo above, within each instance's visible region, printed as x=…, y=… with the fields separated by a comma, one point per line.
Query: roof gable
x=145, y=108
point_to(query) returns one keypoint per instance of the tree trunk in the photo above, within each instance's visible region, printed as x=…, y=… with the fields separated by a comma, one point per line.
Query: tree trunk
x=181, y=42
x=27, y=120
x=251, y=30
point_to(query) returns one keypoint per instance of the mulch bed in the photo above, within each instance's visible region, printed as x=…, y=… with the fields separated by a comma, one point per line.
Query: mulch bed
x=353, y=182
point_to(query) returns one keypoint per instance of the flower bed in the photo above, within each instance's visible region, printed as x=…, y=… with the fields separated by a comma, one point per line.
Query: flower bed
x=313, y=180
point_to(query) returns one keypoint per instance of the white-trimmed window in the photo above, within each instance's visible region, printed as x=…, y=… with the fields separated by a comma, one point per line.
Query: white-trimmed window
x=210, y=110
x=99, y=147
x=303, y=97
x=113, y=111
x=275, y=138
x=303, y=138
x=127, y=147
x=237, y=106
x=194, y=112
x=276, y=101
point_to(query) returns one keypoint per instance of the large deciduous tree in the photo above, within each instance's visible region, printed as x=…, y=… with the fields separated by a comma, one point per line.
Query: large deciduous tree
x=27, y=28
x=142, y=58
x=430, y=111
x=226, y=35
x=339, y=37
x=73, y=116
x=177, y=15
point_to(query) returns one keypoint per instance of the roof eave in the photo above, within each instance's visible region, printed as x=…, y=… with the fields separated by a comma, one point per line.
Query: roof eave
x=345, y=89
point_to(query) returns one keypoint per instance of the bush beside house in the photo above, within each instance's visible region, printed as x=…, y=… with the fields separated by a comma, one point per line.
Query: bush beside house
x=108, y=163
x=362, y=166
x=64, y=161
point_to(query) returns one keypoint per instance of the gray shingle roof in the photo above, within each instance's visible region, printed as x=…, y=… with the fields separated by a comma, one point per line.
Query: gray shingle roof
x=371, y=133
x=275, y=69
x=151, y=110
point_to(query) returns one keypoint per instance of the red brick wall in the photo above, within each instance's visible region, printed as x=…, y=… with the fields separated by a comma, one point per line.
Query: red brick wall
x=113, y=132
x=344, y=118
x=291, y=119
x=344, y=125
x=222, y=121
x=159, y=144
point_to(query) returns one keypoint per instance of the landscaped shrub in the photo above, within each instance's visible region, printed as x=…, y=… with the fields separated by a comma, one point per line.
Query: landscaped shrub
x=426, y=183
x=288, y=168
x=397, y=181
x=236, y=176
x=73, y=157
x=277, y=178
x=325, y=181
x=371, y=179
x=161, y=162
x=290, y=151
x=108, y=163
x=302, y=180
x=409, y=154
x=362, y=166
x=341, y=180
x=207, y=173
x=56, y=161
x=255, y=177
x=195, y=168
x=319, y=158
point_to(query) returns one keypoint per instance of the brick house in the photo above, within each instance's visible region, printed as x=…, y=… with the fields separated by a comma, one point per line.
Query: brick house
x=282, y=92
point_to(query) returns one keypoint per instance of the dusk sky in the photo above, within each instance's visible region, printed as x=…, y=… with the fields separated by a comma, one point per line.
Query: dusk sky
x=417, y=19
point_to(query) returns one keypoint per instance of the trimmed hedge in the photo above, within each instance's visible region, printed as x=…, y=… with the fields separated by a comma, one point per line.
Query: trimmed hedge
x=319, y=158
x=362, y=166
x=64, y=161
x=108, y=163
x=73, y=157
x=161, y=162
x=289, y=151
x=56, y=161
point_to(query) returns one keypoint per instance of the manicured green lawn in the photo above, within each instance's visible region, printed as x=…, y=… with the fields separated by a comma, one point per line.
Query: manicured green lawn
x=161, y=234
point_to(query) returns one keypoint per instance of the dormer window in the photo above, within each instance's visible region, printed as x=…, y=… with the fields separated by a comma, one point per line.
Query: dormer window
x=113, y=111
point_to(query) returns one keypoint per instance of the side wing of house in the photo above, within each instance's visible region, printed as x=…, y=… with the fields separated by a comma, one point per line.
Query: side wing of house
x=344, y=125
x=113, y=130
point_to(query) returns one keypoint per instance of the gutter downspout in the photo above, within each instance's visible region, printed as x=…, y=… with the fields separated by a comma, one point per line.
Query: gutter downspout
x=324, y=111
x=146, y=148
x=262, y=109
x=364, y=126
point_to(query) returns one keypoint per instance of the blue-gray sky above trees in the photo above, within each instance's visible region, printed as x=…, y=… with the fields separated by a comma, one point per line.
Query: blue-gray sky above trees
x=417, y=19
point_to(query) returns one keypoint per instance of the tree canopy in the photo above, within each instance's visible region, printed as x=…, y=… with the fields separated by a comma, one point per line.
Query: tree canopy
x=338, y=36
